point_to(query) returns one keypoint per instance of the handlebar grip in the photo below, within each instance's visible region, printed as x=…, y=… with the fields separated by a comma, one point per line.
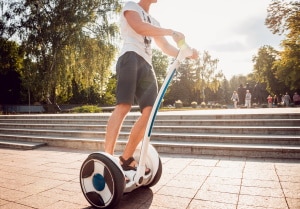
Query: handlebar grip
x=184, y=50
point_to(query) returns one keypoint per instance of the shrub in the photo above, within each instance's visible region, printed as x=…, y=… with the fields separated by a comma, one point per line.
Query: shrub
x=194, y=104
x=87, y=109
x=217, y=105
x=203, y=105
x=178, y=104
x=264, y=105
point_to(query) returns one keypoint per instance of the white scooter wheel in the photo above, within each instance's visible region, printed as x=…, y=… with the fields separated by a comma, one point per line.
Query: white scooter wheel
x=157, y=176
x=102, y=181
x=153, y=162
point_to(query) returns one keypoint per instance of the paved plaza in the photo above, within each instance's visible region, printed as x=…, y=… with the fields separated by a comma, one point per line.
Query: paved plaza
x=48, y=178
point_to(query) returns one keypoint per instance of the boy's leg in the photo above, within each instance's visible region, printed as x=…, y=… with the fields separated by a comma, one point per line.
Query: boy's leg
x=137, y=133
x=114, y=125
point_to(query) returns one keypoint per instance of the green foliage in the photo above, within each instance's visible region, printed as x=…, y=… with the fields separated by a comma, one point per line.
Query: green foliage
x=263, y=66
x=195, y=82
x=207, y=75
x=68, y=41
x=70, y=47
x=288, y=66
x=11, y=56
x=87, y=109
x=109, y=98
x=160, y=64
x=284, y=18
x=11, y=63
x=224, y=92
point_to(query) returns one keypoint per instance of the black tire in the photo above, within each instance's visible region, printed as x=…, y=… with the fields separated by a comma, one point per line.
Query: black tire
x=101, y=181
x=157, y=175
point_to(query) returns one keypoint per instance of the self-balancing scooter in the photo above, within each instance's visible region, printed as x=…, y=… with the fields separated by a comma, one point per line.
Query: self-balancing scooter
x=102, y=179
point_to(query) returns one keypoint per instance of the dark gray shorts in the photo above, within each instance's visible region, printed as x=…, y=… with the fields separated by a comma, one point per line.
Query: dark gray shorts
x=135, y=80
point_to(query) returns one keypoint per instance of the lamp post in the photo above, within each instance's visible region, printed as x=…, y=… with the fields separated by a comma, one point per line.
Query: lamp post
x=202, y=84
x=28, y=82
x=29, y=107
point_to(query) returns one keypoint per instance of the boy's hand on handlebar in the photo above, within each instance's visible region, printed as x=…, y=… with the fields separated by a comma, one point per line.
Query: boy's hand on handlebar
x=177, y=36
x=195, y=55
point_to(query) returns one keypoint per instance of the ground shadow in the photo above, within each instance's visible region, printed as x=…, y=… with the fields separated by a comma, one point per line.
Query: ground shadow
x=140, y=198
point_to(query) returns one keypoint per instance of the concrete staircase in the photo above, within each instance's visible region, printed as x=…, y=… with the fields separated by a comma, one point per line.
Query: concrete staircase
x=266, y=133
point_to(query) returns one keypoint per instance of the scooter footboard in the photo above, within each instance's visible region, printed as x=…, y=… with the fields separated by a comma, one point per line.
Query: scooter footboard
x=152, y=160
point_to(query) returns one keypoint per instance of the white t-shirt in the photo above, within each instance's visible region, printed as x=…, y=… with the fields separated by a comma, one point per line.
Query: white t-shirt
x=133, y=41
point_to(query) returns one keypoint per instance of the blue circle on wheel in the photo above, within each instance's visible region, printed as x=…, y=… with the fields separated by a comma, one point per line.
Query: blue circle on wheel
x=98, y=182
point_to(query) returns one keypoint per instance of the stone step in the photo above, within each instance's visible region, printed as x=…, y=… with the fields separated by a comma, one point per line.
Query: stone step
x=90, y=130
x=24, y=145
x=198, y=148
x=159, y=125
x=232, y=150
x=180, y=115
x=244, y=133
x=176, y=122
x=162, y=137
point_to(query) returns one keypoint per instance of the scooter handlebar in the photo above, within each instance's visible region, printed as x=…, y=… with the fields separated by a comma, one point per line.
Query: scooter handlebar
x=184, y=50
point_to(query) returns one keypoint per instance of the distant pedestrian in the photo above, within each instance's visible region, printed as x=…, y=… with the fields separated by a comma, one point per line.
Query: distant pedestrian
x=296, y=98
x=276, y=100
x=241, y=91
x=248, y=99
x=235, y=98
x=286, y=99
x=270, y=101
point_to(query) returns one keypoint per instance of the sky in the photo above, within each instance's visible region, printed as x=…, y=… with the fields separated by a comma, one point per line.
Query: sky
x=231, y=31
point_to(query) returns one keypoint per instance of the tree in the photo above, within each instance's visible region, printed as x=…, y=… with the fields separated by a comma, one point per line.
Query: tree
x=224, y=92
x=263, y=65
x=56, y=35
x=11, y=56
x=284, y=17
x=264, y=73
x=109, y=98
x=236, y=81
x=288, y=66
x=195, y=79
x=11, y=59
x=160, y=64
x=207, y=75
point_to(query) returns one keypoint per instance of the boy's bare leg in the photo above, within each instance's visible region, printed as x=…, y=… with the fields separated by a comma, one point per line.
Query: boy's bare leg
x=114, y=125
x=137, y=133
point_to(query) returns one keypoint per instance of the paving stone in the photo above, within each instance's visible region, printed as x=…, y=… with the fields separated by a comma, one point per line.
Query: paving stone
x=65, y=205
x=234, y=189
x=252, y=207
x=260, y=191
x=262, y=201
x=293, y=203
x=48, y=177
x=3, y=202
x=37, y=201
x=224, y=181
x=227, y=172
x=166, y=201
x=12, y=195
x=261, y=183
x=13, y=205
x=220, y=197
x=177, y=192
x=203, y=204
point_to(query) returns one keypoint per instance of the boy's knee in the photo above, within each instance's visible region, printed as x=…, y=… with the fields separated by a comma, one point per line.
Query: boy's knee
x=122, y=108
